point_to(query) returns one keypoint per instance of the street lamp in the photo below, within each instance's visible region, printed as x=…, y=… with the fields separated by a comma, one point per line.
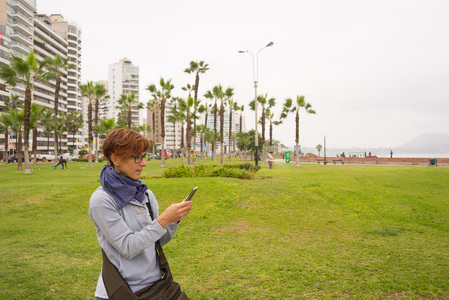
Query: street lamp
x=255, y=78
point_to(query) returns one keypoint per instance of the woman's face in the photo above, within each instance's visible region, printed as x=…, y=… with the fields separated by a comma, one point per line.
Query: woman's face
x=128, y=167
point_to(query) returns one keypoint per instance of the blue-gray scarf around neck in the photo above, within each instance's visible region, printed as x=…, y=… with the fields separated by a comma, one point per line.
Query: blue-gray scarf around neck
x=121, y=188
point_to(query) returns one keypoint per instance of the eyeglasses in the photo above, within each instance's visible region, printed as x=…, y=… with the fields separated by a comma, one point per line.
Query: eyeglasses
x=138, y=158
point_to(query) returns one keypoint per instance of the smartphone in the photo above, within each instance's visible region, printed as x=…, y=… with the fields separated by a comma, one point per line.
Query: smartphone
x=192, y=193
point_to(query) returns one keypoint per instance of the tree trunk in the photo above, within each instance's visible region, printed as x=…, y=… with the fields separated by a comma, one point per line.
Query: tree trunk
x=263, y=136
x=163, y=132
x=197, y=82
x=90, y=140
x=230, y=133
x=26, y=127
x=297, y=139
x=214, y=159
x=6, y=146
x=189, y=139
x=55, y=111
x=34, y=147
x=221, y=132
x=154, y=133
x=19, y=151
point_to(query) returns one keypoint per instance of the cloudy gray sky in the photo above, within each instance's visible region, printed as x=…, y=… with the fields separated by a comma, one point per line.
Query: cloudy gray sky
x=376, y=72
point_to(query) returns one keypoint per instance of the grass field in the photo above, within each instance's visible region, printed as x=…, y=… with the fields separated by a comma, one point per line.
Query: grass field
x=314, y=232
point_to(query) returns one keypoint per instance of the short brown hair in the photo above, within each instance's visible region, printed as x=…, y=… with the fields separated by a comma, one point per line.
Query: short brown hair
x=124, y=142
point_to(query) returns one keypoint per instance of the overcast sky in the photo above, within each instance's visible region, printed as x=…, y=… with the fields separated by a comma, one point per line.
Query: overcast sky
x=376, y=72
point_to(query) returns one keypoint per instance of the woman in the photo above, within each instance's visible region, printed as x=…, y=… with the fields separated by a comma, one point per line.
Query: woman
x=119, y=210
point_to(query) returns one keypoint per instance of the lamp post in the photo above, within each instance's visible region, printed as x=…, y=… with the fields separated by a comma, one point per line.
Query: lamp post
x=255, y=78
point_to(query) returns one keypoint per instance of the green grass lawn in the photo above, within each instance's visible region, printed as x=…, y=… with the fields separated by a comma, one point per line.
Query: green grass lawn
x=314, y=232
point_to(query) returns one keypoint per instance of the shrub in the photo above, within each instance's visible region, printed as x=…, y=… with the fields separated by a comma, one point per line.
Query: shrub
x=86, y=159
x=241, y=171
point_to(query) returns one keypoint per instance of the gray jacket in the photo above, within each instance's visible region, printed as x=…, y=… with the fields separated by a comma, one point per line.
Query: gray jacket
x=128, y=235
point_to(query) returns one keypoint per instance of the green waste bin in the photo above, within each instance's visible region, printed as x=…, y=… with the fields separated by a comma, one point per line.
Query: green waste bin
x=287, y=156
x=432, y=162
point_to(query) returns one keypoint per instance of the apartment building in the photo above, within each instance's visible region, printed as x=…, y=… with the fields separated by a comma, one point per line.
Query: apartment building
x=123, y=78
x=172, y=131
x=72, y=34
x=48, y=43
x=235, y=126
x=23, y=30
x=16, y=31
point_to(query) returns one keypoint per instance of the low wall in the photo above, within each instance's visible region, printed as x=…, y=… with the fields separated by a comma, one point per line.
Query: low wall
x=375, y=160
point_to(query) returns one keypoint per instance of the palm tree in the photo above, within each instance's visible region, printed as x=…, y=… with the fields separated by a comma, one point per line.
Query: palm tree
x=232, y=106
x=224, y=97
x=291, y=106
x=74, y=121
x=14, y=121
x=88, y=91
x=212, y=95
x=270, y=117
x=241, y=109
x=27, y=72
x=153, y=106
x=57, y=65
x=100, y=94
x=197, y=68
x=265, y=103
x=127, y=101
x=4, y=126
x=103, y=128
x=37, y=113
x=187, y=108
x=177, y=116
x=46, y=120
x=60, y=129
x=13, y=102
x=319, y=147
x=164, y=93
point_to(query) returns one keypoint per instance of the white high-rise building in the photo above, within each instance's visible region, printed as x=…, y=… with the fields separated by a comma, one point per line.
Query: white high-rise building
x=72, y=34
x=123, y=78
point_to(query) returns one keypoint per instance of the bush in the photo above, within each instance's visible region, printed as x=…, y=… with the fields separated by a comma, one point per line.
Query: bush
x=86, y=159
x=241, y=171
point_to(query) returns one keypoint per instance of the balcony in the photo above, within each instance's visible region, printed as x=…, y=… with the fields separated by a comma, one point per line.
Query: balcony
x=20, y=17
x=21, y=28
x=22, y=8
x=20, y=37
x=20, y=47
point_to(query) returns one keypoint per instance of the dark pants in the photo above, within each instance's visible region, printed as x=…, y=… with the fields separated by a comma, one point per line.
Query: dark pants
x=62, y=163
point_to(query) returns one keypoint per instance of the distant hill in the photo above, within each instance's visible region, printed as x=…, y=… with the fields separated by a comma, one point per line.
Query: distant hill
x=430, y=141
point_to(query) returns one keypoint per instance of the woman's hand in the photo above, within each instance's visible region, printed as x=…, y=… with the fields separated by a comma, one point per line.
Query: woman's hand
x=175, y=213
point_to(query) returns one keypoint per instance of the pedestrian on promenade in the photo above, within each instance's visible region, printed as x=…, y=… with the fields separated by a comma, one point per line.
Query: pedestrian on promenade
x=283, y=156
x=270, y=159
x=129, y=228
x=391, y=153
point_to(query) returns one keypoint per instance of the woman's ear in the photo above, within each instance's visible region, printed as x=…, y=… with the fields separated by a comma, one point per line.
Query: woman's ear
x=115, y=160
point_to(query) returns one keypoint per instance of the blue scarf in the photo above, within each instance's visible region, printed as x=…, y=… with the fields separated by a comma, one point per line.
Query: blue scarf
x=121, y=188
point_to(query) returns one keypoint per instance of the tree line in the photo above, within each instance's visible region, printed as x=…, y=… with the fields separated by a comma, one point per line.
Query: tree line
x=185, y=110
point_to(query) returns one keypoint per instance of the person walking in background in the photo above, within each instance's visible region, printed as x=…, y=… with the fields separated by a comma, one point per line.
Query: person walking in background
x=62, y=162
x=270, y=159
x=391, y=153
x=283, y=156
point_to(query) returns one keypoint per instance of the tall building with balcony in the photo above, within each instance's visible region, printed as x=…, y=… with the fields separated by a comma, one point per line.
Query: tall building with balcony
x=48, y=43
x=23, y=30
x=71, y=32
x=172, y=131
x=16, y=37
x=17, y=19
x=123, y=78
x=235, y=126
